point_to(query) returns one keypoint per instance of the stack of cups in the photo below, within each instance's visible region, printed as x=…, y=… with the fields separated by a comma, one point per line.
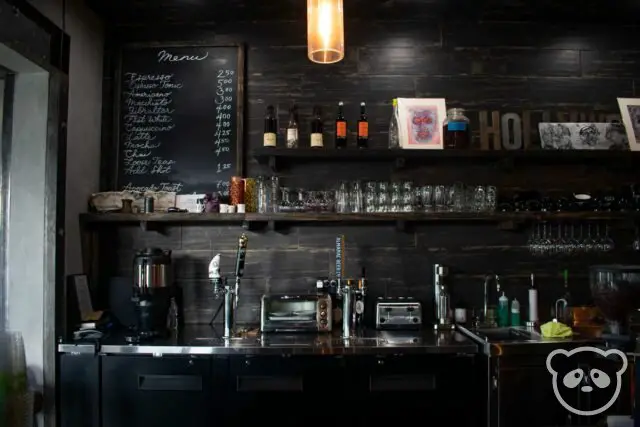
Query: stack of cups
x=16, y=402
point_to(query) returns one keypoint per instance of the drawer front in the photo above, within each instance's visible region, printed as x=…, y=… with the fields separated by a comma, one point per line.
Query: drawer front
x=399, y=387
x=277, y=389
x=148, y=391
x=308, y=374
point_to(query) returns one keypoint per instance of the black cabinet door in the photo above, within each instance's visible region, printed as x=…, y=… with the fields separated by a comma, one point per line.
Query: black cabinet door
x=431, y=390
x=526, y=398
x=141, y=391
x=283, y=390
x=79, y=397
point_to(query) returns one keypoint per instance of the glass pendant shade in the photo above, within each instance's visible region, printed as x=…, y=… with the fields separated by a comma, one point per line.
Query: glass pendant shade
x=325, y=31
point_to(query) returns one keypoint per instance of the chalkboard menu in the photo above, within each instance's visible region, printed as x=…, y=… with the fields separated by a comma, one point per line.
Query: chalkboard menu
x=180, y=120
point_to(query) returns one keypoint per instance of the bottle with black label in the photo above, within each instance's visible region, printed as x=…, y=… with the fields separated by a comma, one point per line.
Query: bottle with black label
x=270, y=128
x=363, y=127
x=341, y=127
x=316, y=129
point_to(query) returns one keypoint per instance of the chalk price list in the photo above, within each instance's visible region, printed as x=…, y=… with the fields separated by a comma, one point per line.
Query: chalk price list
x=148, y=113
x=224, y=126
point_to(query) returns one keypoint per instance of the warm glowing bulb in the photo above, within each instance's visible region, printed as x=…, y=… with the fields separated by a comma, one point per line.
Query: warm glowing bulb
x=325, y=31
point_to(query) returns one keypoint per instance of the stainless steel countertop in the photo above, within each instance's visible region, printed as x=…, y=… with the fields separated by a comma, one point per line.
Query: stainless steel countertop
x=523, y=341
x=204, y=340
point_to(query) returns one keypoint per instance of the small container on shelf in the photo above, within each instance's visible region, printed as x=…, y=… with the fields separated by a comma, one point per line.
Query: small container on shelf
x=456, y=129
x=250, y=195
x=236, y=190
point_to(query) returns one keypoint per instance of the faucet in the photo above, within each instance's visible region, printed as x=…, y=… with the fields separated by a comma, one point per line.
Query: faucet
x=489, y=317
x=561, y=310
x=228, y=292
x=441, y=298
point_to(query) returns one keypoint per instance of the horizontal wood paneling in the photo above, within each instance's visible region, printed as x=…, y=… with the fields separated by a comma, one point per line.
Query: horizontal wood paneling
x=553, y=59
x=459, y=61
x=397, y=263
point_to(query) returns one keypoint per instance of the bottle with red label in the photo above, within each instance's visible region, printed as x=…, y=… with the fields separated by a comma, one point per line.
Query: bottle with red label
x=341, y=127
x=363, y=127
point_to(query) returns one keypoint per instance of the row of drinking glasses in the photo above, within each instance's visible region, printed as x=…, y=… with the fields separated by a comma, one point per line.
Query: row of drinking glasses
x=569, y=239
x=383, y=197
x=300, y=200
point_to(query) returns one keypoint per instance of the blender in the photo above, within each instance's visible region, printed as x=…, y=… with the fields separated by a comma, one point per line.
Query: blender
x=616, y=292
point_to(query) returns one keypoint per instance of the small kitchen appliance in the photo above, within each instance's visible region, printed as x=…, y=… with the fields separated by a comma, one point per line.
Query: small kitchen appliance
x=296, y=313
x=398, y=313
x=442, y=300
x=616, y=292
x=155, y=297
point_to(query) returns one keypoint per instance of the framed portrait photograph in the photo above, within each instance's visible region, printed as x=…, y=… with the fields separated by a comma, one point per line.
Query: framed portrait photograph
x=420, y=122
x=630, y=112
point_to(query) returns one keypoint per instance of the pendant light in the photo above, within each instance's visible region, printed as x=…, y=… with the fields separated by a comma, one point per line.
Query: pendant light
x=325, y=31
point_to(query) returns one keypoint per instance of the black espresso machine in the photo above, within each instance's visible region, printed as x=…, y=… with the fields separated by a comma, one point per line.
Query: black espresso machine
x=156, y=299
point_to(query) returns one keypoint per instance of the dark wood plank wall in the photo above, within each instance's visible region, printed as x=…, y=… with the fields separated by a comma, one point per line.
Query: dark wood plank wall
x=542, y=56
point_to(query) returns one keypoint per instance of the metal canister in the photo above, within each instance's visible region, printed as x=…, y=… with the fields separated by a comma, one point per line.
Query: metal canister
x=148, y=204
x=250, y=196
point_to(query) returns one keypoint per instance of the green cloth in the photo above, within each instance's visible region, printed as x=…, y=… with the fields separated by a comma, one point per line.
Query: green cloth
x=556, y=330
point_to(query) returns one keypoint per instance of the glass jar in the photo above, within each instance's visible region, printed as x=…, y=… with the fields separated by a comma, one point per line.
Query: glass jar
x=456, y=129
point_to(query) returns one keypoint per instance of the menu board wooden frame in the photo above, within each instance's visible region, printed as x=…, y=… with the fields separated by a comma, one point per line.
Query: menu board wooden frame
x=117, y=100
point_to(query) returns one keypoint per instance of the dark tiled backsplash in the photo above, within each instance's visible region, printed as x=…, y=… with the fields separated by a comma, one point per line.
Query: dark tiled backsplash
x=397, y=263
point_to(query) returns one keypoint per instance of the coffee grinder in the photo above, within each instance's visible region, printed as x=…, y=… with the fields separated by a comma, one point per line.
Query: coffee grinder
x=616, y=292
x=154, y=295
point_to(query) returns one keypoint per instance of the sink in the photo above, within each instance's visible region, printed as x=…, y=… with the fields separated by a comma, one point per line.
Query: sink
x=505, y=334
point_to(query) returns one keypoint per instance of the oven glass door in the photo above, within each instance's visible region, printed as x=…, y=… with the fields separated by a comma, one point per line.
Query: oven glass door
x=292, y=314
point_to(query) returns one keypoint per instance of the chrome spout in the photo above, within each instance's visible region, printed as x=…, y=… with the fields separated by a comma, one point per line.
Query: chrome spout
x=347, y=309
x=489, y=320
x=228, y=292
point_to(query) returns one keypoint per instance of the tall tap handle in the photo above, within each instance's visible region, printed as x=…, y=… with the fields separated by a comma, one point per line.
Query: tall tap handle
x=241, y=255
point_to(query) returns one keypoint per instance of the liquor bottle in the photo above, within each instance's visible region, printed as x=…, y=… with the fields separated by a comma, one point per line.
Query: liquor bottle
x=270, y=128
x=292, y=128
x=394, y=137
x=316, y=129
x=363, y=127
x=341, y=127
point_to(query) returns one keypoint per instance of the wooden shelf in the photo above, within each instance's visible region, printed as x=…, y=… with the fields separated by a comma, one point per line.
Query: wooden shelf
x=123, y=218
x=276, y=156
x=400, y=219
x=442, y=216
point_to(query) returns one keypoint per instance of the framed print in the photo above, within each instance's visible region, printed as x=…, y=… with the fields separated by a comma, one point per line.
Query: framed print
x=420, y=122
x=583, y=136
x=630, y=112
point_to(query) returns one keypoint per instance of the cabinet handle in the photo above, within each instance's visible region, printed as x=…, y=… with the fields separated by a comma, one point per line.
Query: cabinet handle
x=410, y=382
x=268, y=383
x=169, y=383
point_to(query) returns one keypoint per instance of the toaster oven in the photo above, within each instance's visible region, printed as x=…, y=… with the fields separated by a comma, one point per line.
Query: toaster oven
x=398, y=313
x=296, y=313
